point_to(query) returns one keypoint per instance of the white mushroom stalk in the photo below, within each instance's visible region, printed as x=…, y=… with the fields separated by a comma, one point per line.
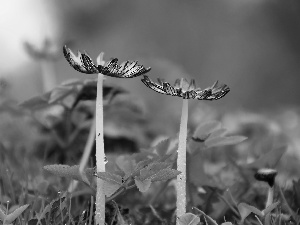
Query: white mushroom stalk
x=100, y=155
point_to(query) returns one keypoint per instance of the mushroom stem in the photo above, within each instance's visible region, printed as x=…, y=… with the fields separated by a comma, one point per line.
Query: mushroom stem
x=268, y=203
x=181, y=161
x=270, y=196
x=100, y=156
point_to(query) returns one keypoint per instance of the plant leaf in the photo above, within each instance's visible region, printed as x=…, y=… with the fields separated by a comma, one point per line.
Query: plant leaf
x=59, y=93
x=189, y=219
x=203, y=131
x=2, y=214
x=245, y=210
x=221, y=141
x=206, y=216
x=152, y=169
x=268, y=160
x=109, y=177
x=165, y=174
x=15, y=214
x=162, y=147
x=125, y=164
x=140, y=165
x=67, y=171
x=270, y=208
x=71, y=92
x=218, y=133
x=110, y=188
x=196, y=174
x=142, y=185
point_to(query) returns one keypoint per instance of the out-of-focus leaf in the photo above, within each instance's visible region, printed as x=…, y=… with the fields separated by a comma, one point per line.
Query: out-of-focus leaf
x=89, y=92
x=59, y=93
x=203, y=131
x=67, y=171
x=206, y=216
x=15, y=214
x=37, y=102
x=269, y=160
x=245, y=210
x=221, y=141
x=270, y=208
x=125, y=118
x=43, y=186
x=217, y=133
x=126, y=165
x=152, y=169
x=2, y=215
x=71, y=92
x=229, y=200
x=110, y=188
x=189, y=219
x=165, y=174
x=162, y=147
x=109, y=177
x=196, y=173
x=142, y=185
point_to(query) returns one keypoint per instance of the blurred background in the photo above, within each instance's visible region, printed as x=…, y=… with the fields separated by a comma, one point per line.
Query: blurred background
x=252, y=46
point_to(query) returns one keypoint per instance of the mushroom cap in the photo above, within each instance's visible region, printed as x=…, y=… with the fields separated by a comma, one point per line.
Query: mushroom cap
x=267, y=175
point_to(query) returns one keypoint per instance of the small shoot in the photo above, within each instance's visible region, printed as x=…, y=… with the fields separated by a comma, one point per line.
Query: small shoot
x=212, y=134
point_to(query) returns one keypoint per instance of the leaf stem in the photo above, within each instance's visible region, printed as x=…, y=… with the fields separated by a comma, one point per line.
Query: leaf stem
x=181, y=162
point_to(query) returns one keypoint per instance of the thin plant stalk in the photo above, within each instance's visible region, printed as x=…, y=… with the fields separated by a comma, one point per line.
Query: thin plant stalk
x=100, y=156
x=86, y=153
x=181, y=161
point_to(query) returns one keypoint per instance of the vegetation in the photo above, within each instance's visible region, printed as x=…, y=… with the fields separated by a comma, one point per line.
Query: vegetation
x=238, y=170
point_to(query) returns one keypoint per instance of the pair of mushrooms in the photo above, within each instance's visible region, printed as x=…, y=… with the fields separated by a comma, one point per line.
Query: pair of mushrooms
x=129, y=69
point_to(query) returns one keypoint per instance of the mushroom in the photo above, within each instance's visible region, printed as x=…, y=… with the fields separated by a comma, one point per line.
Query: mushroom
x=186, y=90
x=267, y=175
x=84, y=64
